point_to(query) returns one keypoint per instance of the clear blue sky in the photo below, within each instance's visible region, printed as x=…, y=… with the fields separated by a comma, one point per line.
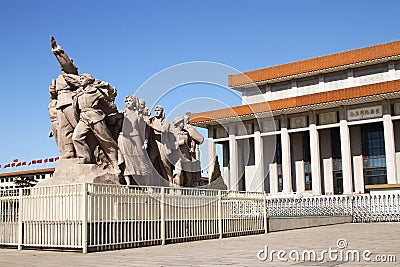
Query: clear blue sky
x=126, y=42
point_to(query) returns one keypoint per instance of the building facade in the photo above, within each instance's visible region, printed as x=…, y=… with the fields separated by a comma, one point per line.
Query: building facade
x=327, y=125
x=7, y=179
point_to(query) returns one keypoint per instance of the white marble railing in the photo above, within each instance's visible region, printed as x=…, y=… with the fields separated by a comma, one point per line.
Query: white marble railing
x=363, y=208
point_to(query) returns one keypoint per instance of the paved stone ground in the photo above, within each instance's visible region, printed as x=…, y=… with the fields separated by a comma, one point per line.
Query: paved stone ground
x=380, y=238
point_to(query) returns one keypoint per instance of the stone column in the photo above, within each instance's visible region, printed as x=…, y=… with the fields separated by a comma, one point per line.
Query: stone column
x=315, y=156
x=273, y=178
x=300, y=178
x=326, y=160
x=297, y=159
x=328, y=176
x=225, y=164
x=396, y=127
x=346, y=153
x=259, y=162
x=286, y=163
x=389, y=144
x=212, y=153
x=358, y=164
x=233, y=160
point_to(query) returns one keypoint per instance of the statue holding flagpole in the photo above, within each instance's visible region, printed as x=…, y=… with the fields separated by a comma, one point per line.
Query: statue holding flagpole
x=100, y=144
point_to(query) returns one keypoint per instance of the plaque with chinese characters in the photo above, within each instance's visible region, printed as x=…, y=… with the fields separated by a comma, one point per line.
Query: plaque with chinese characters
x=364, y=113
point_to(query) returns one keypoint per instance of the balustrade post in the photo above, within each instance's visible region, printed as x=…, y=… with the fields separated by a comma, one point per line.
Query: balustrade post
x=162, y=215
x=85, y=219
x=20, y=226
x=265, y=212
x=220, y=230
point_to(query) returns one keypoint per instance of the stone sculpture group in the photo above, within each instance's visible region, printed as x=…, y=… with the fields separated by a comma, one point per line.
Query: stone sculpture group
x=99, y=143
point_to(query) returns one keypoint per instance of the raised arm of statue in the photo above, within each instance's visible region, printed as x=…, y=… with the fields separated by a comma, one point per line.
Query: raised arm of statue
x=71, y=79
x=66, y=63
x=106, y=88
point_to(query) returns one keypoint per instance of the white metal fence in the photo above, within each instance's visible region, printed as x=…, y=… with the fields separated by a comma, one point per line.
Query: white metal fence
x=93, y=217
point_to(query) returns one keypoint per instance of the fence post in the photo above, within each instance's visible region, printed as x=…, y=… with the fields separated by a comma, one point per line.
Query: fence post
x=85, y=219
x=162, y=215
x=20, y=227
x=220, y=231
x=265, y=212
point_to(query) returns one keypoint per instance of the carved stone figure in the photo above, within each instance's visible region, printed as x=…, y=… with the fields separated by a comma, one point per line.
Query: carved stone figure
x=65, y=112
x=144, y=114
x=131, y=144
x=158, y=143
x=96, y=141
x=92, y=120
x=181, y=156
x=196, y=140
x=53, y=112
x=142, y=109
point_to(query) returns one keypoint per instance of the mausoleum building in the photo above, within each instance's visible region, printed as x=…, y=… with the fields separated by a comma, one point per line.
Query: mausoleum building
x=331, y=123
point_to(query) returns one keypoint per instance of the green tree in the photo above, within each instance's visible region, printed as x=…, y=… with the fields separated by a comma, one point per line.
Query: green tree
x=217, y=170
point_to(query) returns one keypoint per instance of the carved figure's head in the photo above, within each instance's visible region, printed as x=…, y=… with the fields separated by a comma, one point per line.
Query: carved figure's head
x=130, y=102
x=86, y=79
x=159, y=112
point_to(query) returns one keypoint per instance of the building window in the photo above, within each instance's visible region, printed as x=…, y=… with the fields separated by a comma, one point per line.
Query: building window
x=369, y=70
x=397, y=65
x=336, y=161
x=286, y=85
x=278, y=160
x=335, y=76
x=308, y=81
x=307, y=161
x=280, y=178
x=374, y=159
x=307, y=176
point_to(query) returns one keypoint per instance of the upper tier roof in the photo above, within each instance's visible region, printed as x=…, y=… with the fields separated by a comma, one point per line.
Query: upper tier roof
x=343, y=59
